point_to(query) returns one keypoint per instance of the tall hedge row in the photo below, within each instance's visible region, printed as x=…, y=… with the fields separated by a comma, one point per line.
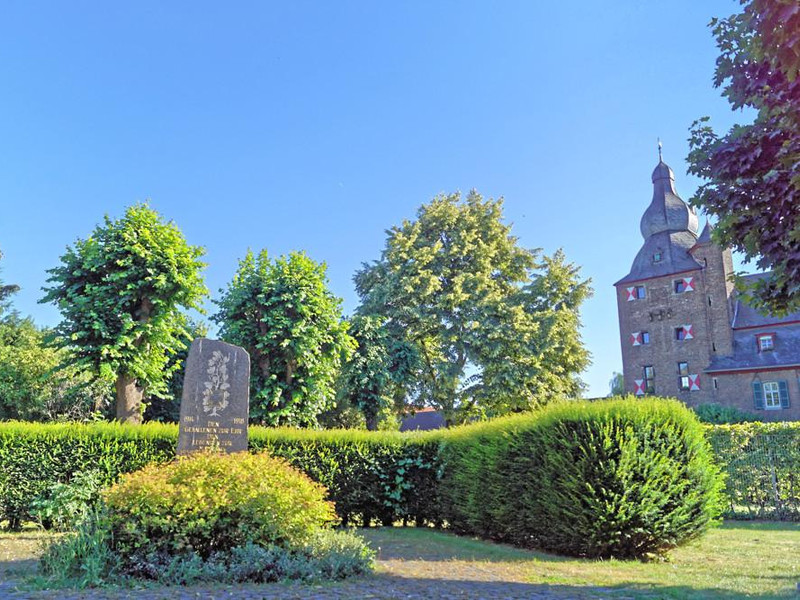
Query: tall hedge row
x=762, y=466
x=34, y=456
x=372, y=477
x=608, y=469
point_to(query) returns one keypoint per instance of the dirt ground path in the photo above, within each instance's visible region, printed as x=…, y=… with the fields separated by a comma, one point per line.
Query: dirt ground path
x=402, y=572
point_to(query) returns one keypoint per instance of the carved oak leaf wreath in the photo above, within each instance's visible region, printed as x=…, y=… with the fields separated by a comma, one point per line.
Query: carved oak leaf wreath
x=215, y=394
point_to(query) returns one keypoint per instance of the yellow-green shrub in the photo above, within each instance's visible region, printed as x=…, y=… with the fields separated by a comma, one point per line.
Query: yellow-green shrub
x=210, y=502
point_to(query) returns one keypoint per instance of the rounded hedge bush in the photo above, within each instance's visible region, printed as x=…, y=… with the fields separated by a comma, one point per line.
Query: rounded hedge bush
x=210, y=503
x=624, y=478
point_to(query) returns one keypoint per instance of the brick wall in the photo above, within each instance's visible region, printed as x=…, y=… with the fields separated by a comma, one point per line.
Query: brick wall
x=660, y=313
x=736, y=389
x=719, y=295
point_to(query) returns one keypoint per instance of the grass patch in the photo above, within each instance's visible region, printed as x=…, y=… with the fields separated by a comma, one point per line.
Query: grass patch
x=738, y=559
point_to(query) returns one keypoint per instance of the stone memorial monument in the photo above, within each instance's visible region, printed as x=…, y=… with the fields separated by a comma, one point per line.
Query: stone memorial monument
x=215, y=401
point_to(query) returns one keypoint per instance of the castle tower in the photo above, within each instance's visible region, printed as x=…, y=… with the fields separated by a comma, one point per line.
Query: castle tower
x=665, y=326
x=717, y=268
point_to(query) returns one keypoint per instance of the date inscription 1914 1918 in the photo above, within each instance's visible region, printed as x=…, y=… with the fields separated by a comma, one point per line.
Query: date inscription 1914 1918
x=215, y=401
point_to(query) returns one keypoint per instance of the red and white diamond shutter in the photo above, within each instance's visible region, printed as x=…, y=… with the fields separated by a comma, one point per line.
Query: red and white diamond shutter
x=636, y=338
x=694, y=383
x=688, y=284
x=688, y=332
x=639, y=391
x=631, y=293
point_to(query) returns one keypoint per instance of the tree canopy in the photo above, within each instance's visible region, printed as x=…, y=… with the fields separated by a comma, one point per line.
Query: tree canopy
x=284, y=315
x=616, y=384
x=167, y=407
x=120, y=293
x=6, y=291
x=379, y=371
x=495, y=326
x=31, y=389
x=752, y=173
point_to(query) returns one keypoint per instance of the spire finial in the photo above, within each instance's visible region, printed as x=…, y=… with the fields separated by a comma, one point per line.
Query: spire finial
x=659, y=149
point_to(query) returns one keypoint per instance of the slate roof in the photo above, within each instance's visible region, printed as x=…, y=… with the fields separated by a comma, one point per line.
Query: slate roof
x=674, y=247
x=705, y=235
x=746, y=356
x=423, y=419
x=749, y=323
x=667, y=212
x=747, y=316
x=669, y=227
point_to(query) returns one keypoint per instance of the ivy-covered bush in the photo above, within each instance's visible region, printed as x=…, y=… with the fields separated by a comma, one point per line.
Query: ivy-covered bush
x=216, y=517
x=373, y=477
x=614, y=478
x=65, y=505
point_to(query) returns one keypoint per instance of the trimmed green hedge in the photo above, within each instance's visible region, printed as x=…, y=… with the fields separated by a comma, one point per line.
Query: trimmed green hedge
x=33, y=456
x=762, y=464
x=372, y=477
x=385, y=477
x=600, y=479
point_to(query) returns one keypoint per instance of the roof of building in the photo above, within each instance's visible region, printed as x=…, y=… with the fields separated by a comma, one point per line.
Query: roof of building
x=747, y=324
x=423, y=419
x=705, y=235
x=745, y=316
x=746, y=357
x=673, y=246
x=667, y=212
x=669, y=227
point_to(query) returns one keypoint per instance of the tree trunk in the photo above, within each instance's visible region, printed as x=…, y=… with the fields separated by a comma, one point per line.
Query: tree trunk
x=372, y=421
x=129, y=400
x=129, y=394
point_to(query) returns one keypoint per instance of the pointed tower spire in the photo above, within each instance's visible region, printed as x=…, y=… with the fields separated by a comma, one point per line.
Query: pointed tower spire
x=659, y=149
x=667, y=212
x=669, y=227
x=705, y=235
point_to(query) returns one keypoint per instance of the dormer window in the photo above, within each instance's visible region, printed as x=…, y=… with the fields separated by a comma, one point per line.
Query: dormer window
x=657, y=257
x=766, y=342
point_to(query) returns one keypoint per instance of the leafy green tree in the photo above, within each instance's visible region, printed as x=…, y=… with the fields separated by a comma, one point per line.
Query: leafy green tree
x=380, y=368
x=120, y=293
x=6, y=291
x=616, y=385
x=283, y=314
x=495, y=326
x=752, y=173
x=534, y=351
x=167, y=409
x=30, y=387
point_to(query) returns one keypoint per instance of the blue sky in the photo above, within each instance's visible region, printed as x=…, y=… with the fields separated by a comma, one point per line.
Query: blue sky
x=318, y=125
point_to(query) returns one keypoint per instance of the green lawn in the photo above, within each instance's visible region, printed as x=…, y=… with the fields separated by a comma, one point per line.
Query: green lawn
x=736, y=560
